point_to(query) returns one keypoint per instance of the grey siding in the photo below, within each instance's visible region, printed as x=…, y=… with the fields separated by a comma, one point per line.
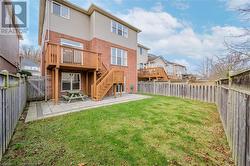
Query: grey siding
x=102, y=30
x=77, y=26
x=9, y=49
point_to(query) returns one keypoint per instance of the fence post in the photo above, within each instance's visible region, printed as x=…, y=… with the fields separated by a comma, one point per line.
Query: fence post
x=6, y=79
x=230, y=110
x=154, y=86
x=19, y=92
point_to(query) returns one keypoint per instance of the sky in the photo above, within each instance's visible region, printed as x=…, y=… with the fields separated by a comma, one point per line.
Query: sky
x=182, y=31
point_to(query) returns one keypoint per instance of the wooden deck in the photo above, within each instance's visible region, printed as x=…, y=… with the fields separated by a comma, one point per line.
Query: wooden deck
x=157, y=73
x=100, y=78
x=69, y=57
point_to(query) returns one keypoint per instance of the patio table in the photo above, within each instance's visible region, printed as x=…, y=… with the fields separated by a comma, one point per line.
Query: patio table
x=74, y=94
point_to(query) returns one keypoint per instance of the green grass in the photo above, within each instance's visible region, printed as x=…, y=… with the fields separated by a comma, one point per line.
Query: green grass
x=155, y=131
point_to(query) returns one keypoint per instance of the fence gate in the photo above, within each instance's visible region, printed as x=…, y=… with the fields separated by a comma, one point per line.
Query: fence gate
x=36, y=88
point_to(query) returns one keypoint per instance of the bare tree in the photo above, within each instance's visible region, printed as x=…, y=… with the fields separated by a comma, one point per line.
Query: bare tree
x=30, y=52
x=238, y=49
x=240, y=44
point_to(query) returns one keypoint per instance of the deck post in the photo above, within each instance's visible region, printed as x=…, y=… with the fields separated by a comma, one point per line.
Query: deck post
x=121, y=90
x=56, y=85
x=114, y=90
x=94, y=87
x=58, y=56
x=87, y=83
x=53, y=83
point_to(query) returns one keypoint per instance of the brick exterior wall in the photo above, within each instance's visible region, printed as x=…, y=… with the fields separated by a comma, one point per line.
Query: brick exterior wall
x=104, y=48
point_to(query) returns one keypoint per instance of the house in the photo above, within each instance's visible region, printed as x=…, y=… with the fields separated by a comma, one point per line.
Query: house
x=153, y=67
x=142, y=56
x=88, y=50
x=150, y=67
x=9, y=49
x=30, y=66
x=176, y=70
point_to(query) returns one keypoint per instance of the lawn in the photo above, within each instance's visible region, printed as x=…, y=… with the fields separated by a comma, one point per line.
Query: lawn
x=156, y=131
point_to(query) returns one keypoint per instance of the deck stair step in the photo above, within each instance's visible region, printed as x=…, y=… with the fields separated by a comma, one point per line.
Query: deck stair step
x=106, y=80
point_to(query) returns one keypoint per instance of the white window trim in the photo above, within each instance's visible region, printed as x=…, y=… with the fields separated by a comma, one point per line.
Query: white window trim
x=71, y=81
x=116, y=31
x=61, y=6
x=125, y=63
x=64, y=43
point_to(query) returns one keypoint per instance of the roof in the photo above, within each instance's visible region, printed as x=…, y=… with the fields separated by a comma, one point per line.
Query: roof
x=140, y=45
x=177, y=64
x=152, y=57
x=90, y=10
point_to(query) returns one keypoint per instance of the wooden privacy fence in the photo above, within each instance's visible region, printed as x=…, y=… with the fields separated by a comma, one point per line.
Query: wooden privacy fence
x=36, y=88
x=233, y=106
x=12, y=103
x=200, y=92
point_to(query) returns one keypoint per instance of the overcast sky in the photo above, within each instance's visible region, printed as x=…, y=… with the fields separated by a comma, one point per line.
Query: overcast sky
x=182, y=31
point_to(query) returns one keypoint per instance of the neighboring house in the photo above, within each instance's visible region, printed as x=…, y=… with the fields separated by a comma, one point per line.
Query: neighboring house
x=88, y=50
x=179, y=70
x=30, y=66
x=142, y=56
x=157, y=61
x=153, y=67
x=9, y=50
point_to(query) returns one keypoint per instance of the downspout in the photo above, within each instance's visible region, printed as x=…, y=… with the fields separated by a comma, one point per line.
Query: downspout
x=47, y=26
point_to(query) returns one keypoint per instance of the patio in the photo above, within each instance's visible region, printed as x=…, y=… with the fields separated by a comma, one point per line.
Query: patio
x=42, y=109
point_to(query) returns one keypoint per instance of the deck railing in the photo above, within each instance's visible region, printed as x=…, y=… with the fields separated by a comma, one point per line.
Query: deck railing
x=60, y=55
x=152, y=72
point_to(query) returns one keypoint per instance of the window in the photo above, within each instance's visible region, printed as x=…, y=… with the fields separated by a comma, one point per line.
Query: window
x=56, y=9
x=141, y=65
x=60, y=10
x=113, y=27
x=71, y=55
x=71, y=43
x=125, y=31
x=118, y=57
x=120, y=88
x=141, y=50
x=119, y=29
x=71, y=81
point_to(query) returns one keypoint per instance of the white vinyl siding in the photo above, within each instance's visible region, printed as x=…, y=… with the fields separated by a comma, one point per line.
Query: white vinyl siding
x=60, y=10
x=119, y=29
x=119, y=57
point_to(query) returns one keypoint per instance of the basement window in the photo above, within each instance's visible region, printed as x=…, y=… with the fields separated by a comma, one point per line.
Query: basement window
x=71, y=81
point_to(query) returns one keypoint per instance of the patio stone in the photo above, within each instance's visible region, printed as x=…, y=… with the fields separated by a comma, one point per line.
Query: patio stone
x=42, y=109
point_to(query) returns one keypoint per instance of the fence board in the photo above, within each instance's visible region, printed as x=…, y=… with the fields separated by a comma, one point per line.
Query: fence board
x=36, y=88
x=12, y=103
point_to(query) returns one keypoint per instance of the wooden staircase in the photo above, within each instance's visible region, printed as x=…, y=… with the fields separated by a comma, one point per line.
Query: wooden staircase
x=106, y=79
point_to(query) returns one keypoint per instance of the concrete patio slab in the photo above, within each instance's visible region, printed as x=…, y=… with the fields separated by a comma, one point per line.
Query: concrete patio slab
x=42, y=109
